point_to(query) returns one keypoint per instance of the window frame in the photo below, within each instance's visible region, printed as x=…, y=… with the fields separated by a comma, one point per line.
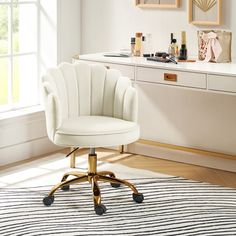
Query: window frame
x=10, y=106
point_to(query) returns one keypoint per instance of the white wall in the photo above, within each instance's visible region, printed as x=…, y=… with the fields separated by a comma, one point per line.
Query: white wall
x=60, y=31
x=69, y=19
x=48, y=34
x=108, y=24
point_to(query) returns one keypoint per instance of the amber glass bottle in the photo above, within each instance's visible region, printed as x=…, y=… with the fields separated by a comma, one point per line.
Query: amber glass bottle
x=138, y=44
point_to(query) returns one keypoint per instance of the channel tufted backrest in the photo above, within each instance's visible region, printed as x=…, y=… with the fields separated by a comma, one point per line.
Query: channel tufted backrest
x=81, y=90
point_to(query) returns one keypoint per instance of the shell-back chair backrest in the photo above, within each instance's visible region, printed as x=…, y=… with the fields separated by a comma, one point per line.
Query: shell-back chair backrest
x=80, y=89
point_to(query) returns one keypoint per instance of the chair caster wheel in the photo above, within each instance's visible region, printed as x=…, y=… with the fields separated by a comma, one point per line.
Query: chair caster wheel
x=138, y=197
x=65, y=188
x=48, y=201
x=115, y=185
x=100, y=209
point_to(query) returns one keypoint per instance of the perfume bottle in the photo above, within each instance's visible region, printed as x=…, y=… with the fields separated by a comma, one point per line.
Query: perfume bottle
x=132, y=46
x=170, y=49
x=173, y=49
x=138, y=44
x=183, y=53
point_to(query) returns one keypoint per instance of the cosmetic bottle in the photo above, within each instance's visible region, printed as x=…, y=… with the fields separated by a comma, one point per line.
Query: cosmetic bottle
x=138, y=44
x=183, y=53
x=147, y=45
x=144, y=45
x=132, y=46
x=170, y=52
x=175, y=48
x=171, y=37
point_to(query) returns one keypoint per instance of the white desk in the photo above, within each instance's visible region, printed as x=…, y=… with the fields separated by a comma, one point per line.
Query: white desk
x=189, y=104
x=200, y=75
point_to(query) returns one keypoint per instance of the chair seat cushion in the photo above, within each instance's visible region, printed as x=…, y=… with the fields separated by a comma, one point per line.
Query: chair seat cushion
x=96, y=131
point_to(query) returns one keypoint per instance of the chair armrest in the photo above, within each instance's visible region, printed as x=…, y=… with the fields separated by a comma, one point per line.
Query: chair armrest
x=52, y=111
x=130, y=106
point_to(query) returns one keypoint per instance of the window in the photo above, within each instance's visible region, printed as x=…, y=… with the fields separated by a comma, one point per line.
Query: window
x=19, y=48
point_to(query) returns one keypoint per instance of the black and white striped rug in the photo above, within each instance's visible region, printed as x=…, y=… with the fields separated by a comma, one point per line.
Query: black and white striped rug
x=172, y=206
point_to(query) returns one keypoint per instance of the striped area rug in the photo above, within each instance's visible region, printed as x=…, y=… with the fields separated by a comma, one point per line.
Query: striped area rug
x=172, y=206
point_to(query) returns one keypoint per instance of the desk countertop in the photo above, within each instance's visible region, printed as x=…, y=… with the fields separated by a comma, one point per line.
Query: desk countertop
x=228, y=69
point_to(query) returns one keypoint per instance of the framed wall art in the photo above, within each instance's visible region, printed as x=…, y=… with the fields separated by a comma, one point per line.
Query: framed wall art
x=158, y=3
x=205, y=12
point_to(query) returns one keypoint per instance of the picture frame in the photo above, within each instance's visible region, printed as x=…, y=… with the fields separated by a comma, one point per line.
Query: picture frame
x=158, y=3
x=205, y=12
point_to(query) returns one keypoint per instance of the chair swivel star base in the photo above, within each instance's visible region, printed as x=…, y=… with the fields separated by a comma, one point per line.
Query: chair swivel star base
x=92, y=177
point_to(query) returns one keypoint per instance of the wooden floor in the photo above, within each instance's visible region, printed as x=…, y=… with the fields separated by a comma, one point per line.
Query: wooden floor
x=188, y=171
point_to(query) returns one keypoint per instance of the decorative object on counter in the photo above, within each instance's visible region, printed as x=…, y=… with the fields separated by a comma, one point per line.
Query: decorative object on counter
x=170, y=49
x=159, y=54
x=183, y=53
x=147, y=45
x=144, y=46
x=215, y=46
x=132, y=46
x=148, y=55
x=173, y=49
x=205, y=12
x=163, y=57
x=158, y=3
x=138, y=44
x=116, y=55
x=141, y=45
x=171, y=37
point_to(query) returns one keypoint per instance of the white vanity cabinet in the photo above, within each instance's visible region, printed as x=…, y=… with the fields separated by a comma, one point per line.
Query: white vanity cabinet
x=171, y=77
x=191, y=105
x=222, y=83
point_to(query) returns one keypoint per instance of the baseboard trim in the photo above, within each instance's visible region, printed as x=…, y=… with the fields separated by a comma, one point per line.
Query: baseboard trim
x=187, y=149
x=185, y=155
x=26, y=150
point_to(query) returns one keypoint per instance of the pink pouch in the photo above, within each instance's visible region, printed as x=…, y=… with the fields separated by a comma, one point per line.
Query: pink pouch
x=214, y=46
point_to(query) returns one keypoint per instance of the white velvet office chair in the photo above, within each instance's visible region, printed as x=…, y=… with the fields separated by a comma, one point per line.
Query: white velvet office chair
x=90, y=106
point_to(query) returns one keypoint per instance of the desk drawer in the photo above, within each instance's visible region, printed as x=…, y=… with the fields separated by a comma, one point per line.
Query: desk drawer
x=125, y=70
x=222, y=83
x=178, y=78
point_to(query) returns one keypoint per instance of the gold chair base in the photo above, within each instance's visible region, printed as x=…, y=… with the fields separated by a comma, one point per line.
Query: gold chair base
x=93, y=177
x=74, y=150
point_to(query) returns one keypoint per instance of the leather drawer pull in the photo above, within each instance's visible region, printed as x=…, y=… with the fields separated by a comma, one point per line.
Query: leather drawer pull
x=108, y=67
x=170, y=77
